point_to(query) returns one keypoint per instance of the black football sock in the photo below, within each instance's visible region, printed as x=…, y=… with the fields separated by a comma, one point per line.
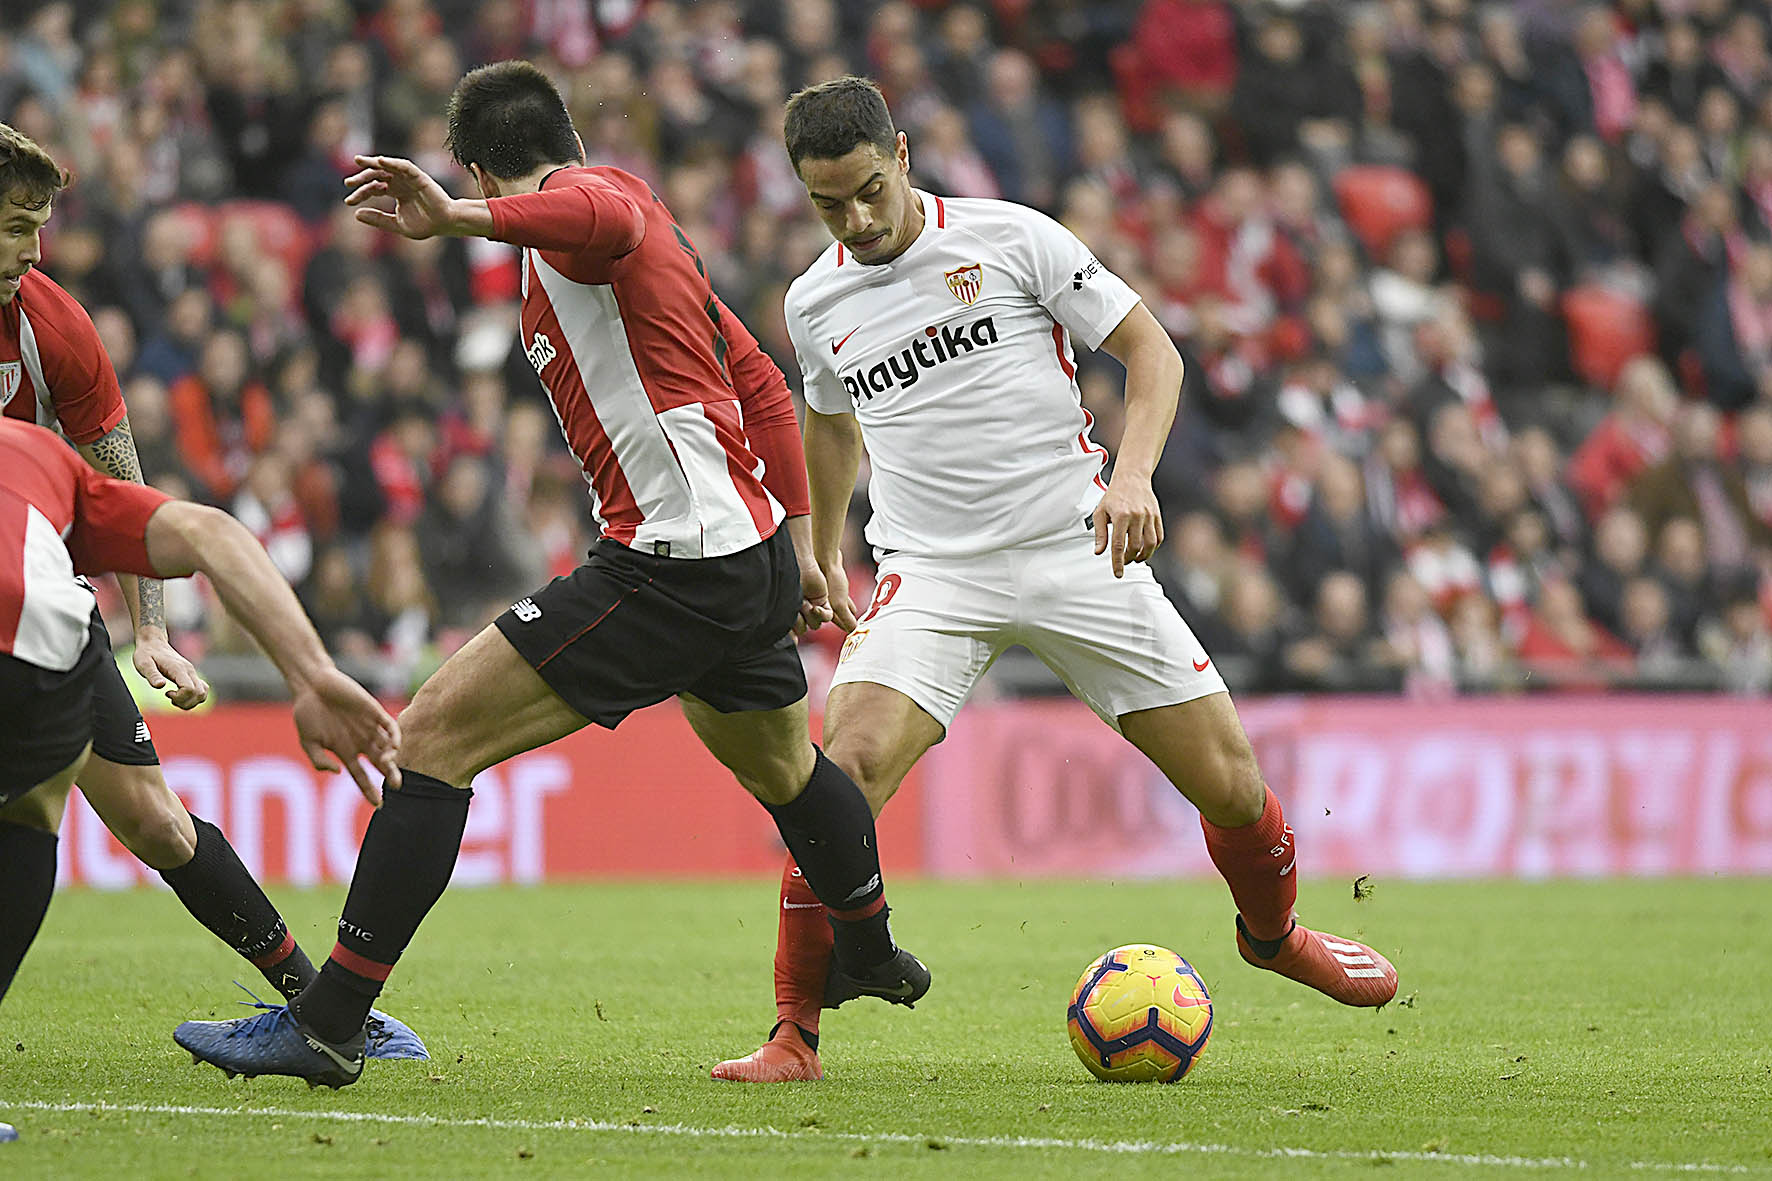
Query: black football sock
x=221, y=894
x=402, y=869
x=27, y=882
x=829, y=829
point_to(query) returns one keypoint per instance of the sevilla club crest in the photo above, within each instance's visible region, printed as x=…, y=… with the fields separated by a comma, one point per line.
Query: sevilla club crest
x=966, y=282
x=12, y=375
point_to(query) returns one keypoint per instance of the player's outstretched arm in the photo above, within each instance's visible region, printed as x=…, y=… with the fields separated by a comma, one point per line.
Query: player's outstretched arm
x=332, y=712
x=1128, y=520
x=422, y=207
x=590, y=218
x=833, y=459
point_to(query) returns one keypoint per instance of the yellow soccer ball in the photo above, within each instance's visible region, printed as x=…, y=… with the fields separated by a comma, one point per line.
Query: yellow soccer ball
x=1140, y=1014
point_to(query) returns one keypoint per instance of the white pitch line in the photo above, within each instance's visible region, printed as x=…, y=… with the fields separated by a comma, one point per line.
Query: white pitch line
x=1136, y=1147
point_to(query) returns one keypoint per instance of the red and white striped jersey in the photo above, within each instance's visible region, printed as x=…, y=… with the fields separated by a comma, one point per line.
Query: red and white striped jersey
x=58, y=517
x=660, y=392
x=956, y=360
x=53, y=370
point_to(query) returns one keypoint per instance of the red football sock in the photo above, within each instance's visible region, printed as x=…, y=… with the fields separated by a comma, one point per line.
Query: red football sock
x=1256, y=861
x=802, y=951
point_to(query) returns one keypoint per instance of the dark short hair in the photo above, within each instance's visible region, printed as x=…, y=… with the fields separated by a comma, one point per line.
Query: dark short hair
x=28, y=174
x=832, y=119
x=510, y=120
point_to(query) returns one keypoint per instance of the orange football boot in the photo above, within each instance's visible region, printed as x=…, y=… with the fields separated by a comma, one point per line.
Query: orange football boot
x=1349, y=972
x=784, y=1058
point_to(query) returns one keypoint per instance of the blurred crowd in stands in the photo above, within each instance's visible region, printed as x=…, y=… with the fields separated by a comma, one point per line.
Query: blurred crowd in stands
x=1476, y=297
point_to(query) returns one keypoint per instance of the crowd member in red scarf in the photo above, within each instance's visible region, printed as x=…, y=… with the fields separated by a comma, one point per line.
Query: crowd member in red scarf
x=1564, y=649
x=1628, y=440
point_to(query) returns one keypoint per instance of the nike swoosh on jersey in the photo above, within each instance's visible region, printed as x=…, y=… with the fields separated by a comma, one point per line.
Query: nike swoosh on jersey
x=1200, y=665
x=838, y=344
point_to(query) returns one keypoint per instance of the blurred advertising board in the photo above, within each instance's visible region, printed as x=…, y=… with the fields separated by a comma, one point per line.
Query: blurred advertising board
x=1467, y=788
x=644, y=801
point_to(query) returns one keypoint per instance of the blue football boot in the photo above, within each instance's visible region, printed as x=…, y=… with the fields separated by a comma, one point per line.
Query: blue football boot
x=273, y=1042
x=390, y=1038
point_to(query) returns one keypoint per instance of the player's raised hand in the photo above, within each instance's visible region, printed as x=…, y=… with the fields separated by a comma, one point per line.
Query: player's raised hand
x=340, y=724
x=1128, y=523
x=161, y=666
x=422, y=209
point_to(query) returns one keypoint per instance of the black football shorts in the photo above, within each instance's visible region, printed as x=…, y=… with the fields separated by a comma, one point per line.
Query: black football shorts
x=45, y=717
x=628, y=629
x=119, y=732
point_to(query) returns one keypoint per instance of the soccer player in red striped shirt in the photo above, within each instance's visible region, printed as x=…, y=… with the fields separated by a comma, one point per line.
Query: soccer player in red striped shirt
x=59, y=517
x=54, y=372
x=690, y=450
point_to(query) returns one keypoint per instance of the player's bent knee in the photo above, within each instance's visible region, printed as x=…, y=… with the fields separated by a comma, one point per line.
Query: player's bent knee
x=869, y=762
x=775, y=778
x=431, y=739
x=160, y=837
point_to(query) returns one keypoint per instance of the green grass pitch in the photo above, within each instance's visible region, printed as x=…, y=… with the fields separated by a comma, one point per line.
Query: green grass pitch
x=1599, y=1028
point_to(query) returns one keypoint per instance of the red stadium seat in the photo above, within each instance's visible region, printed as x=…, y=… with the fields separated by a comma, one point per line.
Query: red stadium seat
x=278, y=230
x=1606, y=329
x=198, y=223
x=1379, y=202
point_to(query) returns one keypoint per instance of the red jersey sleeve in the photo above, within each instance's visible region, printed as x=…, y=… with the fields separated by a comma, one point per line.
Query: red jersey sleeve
x=82, y=385
x=769, y=420
x=579, y=215
x=110, y=528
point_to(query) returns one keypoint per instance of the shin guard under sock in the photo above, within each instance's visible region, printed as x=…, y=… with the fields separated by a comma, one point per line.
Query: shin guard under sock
x=221, y=894
x=1256, y=861
x=27, y=882
x=829, y=829
x=408, y=854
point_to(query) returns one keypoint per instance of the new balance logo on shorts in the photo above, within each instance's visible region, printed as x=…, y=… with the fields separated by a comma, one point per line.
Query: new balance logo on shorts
x=1354, y=960
x=526, y=610
x=141, y=731
x=870, y=885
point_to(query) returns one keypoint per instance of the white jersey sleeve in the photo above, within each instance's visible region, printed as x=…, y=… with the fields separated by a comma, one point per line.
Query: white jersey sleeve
x=820, y=386
x=1067, y=279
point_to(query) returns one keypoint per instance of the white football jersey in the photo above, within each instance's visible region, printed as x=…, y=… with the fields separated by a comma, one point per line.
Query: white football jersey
x=955, y=357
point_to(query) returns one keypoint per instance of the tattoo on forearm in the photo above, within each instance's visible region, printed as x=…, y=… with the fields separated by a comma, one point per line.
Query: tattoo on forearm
x=151, y=608
x=115, y=455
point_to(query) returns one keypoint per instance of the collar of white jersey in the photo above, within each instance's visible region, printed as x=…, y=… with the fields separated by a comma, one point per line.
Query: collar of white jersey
x=935, y=217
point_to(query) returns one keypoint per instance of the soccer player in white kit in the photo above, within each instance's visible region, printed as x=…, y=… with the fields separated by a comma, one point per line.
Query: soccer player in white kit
x=938, y=333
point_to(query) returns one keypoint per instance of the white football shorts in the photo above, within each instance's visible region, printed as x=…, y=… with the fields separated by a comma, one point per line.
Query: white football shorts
x=937, y=623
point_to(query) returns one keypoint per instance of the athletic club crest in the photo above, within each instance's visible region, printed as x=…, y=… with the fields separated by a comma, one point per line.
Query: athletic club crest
x=12, y=374
x=966, y=282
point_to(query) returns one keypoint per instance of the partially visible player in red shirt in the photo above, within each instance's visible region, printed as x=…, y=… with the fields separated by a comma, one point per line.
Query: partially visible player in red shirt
x=58, y=518
x=686, y=436
x=54, y=372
